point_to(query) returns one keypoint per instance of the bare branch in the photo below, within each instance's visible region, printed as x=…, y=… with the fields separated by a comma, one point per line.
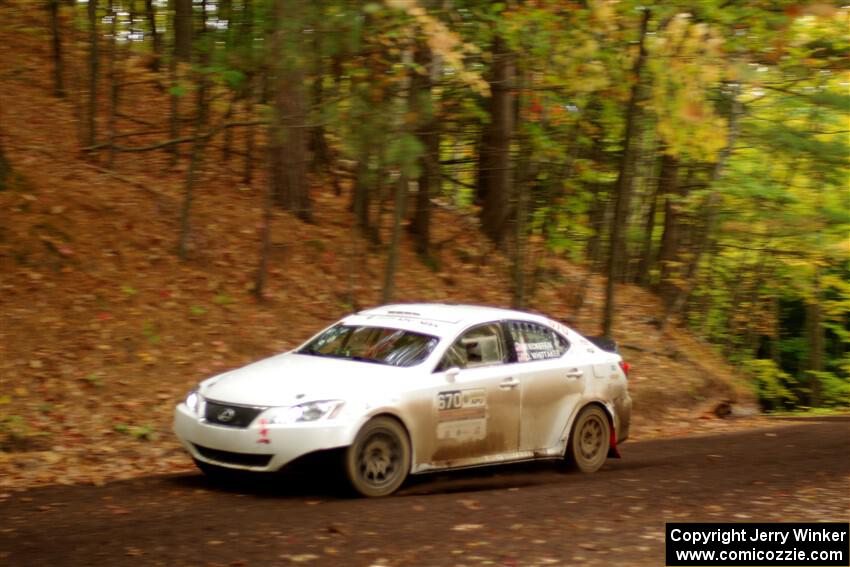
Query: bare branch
x=183, y=139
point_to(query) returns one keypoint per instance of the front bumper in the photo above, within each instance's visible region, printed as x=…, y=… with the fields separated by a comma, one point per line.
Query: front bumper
x=262, y=448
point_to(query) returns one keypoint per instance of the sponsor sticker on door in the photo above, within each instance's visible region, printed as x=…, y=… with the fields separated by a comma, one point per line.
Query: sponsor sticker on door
x=462, y=414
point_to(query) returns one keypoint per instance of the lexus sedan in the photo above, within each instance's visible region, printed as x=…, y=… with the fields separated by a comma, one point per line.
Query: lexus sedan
x=415, y=388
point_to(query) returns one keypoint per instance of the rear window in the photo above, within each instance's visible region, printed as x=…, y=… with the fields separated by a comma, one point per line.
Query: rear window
x=380, y=345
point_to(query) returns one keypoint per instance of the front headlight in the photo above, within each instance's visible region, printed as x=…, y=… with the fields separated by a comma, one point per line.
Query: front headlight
x=193, y=401
x=311, y=411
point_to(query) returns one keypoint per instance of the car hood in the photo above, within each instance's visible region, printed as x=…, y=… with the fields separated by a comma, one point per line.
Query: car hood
x=291, y=378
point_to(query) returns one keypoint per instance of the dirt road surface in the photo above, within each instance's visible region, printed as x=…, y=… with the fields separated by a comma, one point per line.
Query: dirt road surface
x=518, y=515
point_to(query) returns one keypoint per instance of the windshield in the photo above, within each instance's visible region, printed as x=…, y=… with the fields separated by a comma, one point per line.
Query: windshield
x=381, y=345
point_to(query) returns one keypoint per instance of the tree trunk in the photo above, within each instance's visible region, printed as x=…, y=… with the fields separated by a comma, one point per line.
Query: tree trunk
x=622, y=194
x=265, y=242
x=596, y=218
x=150, y=13
x=483, y=165
x=428, y=185
x=647, y=258
x=202, y=25
x=520, y=259
x=361, y=196
x=495, y=170
x=191, y=175
x=5, y=167
x=174, y=108
x=114, y=83
x=227, y=143
x=668, y=252
x=288, y=140
x=78, y=81
x=752, y=335
x=320, y=152
x=198, y=146
x=522, y=184
x=392, y=253
x=246, y=40
x=250, y=135
x=814, y=331
x=56, y=45
x=374, y=231
x=288, y=128
x=599, y=209
x=91, y=131
x=429, y=162
x=181, y=53
x=225, y=12
x=776, y=332
x=183, y=33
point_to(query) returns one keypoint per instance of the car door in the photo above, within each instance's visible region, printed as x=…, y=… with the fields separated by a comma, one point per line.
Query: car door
x=476, y=405
x=553, y=376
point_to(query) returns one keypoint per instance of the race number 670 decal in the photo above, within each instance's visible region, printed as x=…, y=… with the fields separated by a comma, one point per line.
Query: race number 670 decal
x=450, y=400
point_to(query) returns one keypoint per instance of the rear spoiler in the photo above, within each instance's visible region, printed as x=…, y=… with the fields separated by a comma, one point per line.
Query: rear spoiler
x=605, y=343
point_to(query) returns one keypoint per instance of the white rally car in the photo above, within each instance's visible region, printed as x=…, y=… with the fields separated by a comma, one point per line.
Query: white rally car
x=408, y=389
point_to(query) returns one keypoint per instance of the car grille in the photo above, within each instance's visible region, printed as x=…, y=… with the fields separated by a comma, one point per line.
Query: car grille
x=227, y=457
x=231, y=415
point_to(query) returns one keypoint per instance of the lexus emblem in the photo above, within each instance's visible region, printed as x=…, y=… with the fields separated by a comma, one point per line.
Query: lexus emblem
x=226, y=415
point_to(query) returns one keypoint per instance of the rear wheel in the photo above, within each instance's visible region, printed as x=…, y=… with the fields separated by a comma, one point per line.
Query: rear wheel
x=378, y=461
x=589, y=440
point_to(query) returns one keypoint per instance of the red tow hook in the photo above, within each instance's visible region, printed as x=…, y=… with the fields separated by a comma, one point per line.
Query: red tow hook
x=613, y=451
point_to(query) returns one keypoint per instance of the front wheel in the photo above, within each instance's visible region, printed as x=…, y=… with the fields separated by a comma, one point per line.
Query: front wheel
x=589, y=440
x=379, y=459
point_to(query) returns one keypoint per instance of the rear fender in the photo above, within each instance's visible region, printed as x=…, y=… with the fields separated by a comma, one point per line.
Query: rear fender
x=613, y=451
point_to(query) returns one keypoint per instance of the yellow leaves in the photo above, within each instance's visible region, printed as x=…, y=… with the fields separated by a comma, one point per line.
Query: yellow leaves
x=467, y=527
x=841, y=247
x=686, y=61
x=604, y=14
x=588, y=48
x=445, y=43
x=146, y=357
x=51, y=457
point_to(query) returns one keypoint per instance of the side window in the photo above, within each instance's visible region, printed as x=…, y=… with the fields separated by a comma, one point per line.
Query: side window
x=479, y=346
x=536, y=342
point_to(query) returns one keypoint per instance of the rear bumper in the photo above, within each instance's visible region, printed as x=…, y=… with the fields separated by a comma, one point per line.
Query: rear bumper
x=262, y=448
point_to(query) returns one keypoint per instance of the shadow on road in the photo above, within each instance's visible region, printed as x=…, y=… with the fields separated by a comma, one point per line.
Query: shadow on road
x=321, y=477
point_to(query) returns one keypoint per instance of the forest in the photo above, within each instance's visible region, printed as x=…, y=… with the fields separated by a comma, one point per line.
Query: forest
x=698, y=150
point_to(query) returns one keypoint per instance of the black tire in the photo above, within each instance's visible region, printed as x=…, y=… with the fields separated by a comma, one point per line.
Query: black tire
x=590, y=439
x=378, y=461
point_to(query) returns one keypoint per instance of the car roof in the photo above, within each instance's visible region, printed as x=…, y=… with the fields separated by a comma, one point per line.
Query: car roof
x=438, y=318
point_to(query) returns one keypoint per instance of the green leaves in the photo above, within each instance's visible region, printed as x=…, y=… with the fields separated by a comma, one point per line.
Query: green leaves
x=233, y=78
x=140, y=432
x=772, y=385
x=404, y=152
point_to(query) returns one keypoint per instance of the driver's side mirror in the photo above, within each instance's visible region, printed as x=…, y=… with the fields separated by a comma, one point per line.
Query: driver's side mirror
x=451, y=374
